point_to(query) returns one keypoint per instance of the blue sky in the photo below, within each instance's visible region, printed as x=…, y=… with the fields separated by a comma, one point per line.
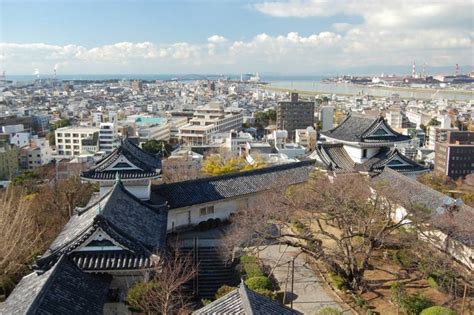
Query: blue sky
x=294, y=37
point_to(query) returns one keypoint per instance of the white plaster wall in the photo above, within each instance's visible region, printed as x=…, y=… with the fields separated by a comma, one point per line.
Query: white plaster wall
x=178, y=218
x=354, y=152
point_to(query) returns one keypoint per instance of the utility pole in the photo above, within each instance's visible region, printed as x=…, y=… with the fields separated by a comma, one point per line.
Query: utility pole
x=292, y=279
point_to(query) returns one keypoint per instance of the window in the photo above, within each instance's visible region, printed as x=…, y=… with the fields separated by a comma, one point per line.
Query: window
x=364, y=153
x=206, y=210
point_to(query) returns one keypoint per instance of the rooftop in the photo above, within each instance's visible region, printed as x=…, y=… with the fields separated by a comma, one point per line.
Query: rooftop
x=356, y=128
x=209, y=189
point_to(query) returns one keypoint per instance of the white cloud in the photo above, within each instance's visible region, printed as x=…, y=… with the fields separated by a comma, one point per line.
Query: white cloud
x=217, y=39
x=346, y=46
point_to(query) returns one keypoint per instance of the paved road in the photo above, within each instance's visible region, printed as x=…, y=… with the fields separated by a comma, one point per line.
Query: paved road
x=310, y=294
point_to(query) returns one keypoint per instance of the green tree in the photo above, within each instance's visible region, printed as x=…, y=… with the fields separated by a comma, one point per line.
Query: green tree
x=434, y=122
x=61, y=123
x=216, y=165
x=157, y=146
x=265, y=118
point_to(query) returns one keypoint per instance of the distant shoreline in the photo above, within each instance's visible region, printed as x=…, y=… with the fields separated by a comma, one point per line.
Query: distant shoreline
x=366, y=90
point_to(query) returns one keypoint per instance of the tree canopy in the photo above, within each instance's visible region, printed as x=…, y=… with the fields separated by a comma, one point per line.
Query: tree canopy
x=216, y=165
x=157, y=146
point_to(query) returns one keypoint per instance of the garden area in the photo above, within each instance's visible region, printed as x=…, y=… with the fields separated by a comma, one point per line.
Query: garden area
x=402, y=281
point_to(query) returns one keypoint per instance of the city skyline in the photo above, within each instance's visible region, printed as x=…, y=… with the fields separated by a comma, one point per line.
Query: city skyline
x=292, y=37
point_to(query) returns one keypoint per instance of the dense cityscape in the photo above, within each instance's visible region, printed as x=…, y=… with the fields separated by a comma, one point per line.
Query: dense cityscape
x=239, y=193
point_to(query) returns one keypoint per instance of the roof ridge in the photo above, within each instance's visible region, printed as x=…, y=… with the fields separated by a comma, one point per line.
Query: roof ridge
x=245, y=299
x=239, y=174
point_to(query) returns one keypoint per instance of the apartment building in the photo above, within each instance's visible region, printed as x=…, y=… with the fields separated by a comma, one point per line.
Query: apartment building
x=438, y=134
x=306, y=138
x=107, y=137
x=294, y=115
x=455, y=157
x=69, y=139
x=210, y=119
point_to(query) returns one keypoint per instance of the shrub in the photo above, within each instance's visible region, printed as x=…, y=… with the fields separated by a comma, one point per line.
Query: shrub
x=409, y=304
x=205, y=301
x=337, y=280
x=265, y=292
x=414, y=304
x=298, y=225
x=251, y=267
x=203, y=226
x=248, y=259
x=137, y=294
x=405, y=258
x=329, y=311
x=432, y=281
x=257, y=283
x=437, y=310
x=223, y=291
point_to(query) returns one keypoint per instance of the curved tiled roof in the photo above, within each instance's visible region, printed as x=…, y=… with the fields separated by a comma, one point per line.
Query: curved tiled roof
x=62, y=289
x=128, y=220
x=208, y=189
x=149, y=165
x=409, y=193
x=247, y=302
x=357, y=128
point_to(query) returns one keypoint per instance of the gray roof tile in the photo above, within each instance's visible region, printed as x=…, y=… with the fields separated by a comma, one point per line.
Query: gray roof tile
x=63, y=289
x=209, y=189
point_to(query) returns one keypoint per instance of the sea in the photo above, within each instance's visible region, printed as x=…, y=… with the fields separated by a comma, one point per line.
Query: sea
x=312, y=83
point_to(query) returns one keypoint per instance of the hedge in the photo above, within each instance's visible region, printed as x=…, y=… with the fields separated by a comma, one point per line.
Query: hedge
x=257, y=283
x=223, y=291
x=438, y=310
x=251, y=267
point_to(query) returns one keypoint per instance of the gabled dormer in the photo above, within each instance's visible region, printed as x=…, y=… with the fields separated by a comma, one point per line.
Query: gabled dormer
x=117, y=231
x=136, y=168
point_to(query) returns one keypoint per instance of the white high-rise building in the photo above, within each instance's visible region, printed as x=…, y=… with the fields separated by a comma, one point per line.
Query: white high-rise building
x=107, y=137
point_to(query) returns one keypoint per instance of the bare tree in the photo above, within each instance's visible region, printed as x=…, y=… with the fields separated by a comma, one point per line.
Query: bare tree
x=20, y=236
x=163, y=292
x=344, y=222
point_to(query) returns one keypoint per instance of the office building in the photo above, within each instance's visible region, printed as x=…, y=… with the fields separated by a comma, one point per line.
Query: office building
x=294, y=114
x=208, y=120
x=8, y=160
x=455, y=157
x=69, y=139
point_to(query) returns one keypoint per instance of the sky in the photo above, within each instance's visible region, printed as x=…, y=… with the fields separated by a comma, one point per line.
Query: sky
x=307, y=37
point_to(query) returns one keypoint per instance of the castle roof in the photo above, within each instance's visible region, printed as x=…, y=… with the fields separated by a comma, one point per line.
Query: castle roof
x=139, y=228
x=356, y=128
x=62, y=289
x=245, y=301
x=129, y=160
x=334, y=157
